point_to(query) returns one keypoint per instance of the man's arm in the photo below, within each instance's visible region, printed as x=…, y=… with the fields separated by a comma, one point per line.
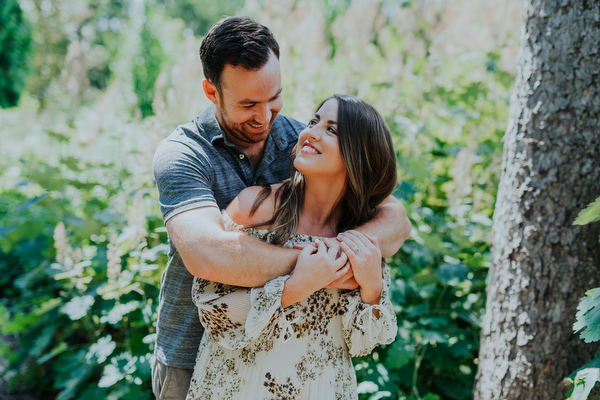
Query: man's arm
x=390, y=226
x=234, y=258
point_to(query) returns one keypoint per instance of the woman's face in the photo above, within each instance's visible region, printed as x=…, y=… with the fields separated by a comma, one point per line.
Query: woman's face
x=318, y=151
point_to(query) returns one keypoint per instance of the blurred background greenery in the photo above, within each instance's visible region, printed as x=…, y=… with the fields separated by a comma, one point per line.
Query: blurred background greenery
x=89, y=87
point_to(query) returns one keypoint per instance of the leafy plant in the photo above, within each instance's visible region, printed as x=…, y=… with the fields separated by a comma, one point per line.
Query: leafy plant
x=584, y=379
x=147, y=66
x=82, y=314
x=15, y=42
x=82, y=243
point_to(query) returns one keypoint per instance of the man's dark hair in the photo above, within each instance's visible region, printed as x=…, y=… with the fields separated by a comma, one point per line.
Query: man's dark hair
x=236, y=41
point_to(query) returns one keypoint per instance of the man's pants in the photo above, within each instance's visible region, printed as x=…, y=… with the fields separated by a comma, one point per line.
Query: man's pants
x=170, y=383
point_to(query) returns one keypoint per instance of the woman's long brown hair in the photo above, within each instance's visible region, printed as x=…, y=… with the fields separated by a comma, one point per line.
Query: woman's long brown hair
x=370, y=160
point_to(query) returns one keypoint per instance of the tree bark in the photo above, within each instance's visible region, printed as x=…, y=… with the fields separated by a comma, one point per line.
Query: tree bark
x=541, y=265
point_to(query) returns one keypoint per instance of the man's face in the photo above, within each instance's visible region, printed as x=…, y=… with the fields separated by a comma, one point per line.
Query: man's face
x=249, y=101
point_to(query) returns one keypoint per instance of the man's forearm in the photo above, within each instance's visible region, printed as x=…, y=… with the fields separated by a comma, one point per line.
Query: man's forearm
x=230, y=257
x=390, y=226
x=243, y=261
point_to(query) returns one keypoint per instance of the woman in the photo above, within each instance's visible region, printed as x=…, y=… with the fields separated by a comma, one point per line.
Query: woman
x=293, y=338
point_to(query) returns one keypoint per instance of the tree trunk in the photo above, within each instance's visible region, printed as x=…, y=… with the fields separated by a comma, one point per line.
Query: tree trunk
x=541, y=265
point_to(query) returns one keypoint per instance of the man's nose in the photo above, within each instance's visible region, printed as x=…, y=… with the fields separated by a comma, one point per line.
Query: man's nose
x=263, y=116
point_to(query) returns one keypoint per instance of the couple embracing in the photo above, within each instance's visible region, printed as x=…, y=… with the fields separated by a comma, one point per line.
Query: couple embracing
x=277, y=231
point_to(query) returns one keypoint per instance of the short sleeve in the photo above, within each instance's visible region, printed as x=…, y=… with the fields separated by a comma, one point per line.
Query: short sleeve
x=183, y=177
x=363, y=331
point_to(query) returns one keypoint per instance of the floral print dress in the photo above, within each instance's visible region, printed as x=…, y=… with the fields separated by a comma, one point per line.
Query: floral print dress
x=253, y=348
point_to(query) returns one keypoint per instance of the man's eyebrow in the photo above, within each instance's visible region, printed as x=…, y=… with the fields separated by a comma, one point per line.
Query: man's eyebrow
x=250, y=101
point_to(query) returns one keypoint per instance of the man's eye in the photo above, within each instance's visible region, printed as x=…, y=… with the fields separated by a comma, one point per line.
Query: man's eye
x=249, y=106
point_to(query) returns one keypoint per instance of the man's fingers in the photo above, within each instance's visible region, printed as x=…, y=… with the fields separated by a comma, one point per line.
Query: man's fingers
x=373, y=239
x=344, y=270
x=330, y=242
x=310, y=248
x=321, y=247
x=301, y=246
x=340, y=261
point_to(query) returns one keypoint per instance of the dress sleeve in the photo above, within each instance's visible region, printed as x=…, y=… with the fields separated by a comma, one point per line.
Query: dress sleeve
x=363, y=331
x=234, y=316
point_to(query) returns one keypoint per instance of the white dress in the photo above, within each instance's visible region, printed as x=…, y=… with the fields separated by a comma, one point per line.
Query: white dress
x=253, y=348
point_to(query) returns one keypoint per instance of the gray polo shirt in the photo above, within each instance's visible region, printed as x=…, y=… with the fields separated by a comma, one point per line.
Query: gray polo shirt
x=196, y=166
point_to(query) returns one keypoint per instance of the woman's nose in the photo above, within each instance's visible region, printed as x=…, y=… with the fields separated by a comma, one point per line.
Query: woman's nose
x=313, y=133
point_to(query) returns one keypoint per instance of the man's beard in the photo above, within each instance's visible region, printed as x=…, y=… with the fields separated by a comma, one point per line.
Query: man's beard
x=237, y=130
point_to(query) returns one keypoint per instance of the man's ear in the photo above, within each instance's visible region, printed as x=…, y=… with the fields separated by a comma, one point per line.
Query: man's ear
x=210, y=90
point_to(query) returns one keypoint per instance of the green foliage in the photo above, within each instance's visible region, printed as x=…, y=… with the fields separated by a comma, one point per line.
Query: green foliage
x=583, y=383
x=15, y=48
x=81, y=240
x=587, y=321
x=588, y=316
x=590, y=214
x=197, y=15
x=146, y=68
x=84, y=314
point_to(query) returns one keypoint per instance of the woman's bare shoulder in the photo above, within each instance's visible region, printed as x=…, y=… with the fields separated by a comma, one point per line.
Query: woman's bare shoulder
x=239, y=210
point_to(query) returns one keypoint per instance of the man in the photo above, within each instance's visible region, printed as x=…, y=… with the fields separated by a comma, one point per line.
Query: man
x=240, y=141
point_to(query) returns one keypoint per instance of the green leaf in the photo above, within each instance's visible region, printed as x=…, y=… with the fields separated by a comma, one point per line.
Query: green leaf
x=589, y=214
x=585, y=380
x=589, y=316
x=452, y=274
x=73, y=372
x=60, y=348
x=400, y=354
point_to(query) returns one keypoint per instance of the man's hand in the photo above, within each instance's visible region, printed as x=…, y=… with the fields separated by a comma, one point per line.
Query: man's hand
x=347, y=281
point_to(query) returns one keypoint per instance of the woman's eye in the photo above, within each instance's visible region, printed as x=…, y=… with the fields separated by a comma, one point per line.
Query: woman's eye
x=312, y=122
x=332, y=130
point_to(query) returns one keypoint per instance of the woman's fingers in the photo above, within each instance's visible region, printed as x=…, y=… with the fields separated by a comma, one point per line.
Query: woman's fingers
x=358, y=238
x=348, y=244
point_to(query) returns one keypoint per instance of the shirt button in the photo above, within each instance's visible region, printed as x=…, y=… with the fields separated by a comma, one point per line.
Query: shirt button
x=241, y=156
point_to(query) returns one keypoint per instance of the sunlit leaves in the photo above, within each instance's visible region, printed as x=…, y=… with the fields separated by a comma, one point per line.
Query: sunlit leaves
x=583, y=383
x=590, y=214
x=588, y=316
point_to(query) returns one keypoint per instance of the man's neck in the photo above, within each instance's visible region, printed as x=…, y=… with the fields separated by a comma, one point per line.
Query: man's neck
x=254, y=151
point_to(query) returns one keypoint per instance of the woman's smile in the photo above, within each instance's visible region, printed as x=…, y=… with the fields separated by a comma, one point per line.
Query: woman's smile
x=308, y=148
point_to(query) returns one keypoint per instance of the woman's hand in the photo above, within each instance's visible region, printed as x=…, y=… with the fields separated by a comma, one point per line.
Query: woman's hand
x=365, y=258
x=317, y=266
